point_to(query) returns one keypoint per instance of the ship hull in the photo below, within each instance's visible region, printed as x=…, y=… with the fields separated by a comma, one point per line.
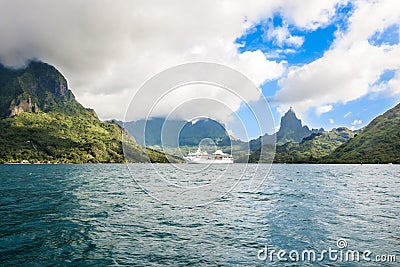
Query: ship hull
x=208, y=161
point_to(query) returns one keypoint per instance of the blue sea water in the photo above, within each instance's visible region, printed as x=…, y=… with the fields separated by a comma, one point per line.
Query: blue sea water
x=97, y=215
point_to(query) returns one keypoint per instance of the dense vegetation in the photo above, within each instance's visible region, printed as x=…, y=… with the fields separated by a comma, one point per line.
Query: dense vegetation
x=55, y=137
x=310, y=150
x=379, y=142
x=41, y=121
x=314, y=147
x=58, y=138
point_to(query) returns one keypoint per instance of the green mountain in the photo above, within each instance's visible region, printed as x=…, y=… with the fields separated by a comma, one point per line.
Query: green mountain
x=314, y=147
x=41, y=121
x=37, y=87
x=310, y=150
x=291, y=130
x=161, y=132
x=378, y=142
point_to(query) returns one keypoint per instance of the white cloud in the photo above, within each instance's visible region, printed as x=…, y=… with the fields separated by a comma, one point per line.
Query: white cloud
x=388, y=88
x=368, y=18
x=310, y=14
x=107, y=49
x=257, y=67
x=347, y=114
x=323, y=109
x=281, y=36
x=394, y=84
x=354, y=124
x=331, y=121
x=350, y=68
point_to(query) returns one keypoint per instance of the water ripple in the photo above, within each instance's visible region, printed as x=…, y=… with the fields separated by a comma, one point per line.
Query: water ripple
x=95, y=215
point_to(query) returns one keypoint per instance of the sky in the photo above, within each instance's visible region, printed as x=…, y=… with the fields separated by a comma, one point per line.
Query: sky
x=336, y=62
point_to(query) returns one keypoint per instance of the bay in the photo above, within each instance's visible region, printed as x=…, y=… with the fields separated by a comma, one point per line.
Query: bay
x=99, y=215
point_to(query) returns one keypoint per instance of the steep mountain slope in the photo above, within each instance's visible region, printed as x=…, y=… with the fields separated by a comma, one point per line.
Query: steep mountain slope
x=310, y=150
x=291, y=129
x=39, y=86
x=313, y=147
x=379, y=142
x=42, y=122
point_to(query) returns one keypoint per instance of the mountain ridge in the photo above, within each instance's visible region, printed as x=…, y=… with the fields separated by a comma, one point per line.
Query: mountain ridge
x=38, y=86
x=42, y=122
x=159, y=131
x=313, y=147
x=378, y=142
x=291, y=129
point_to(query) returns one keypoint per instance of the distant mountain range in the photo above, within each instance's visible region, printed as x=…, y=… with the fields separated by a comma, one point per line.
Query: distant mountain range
x=162, y=132
x=41, y=121
x=295, y=143
x=379, y=142
x=151, y=132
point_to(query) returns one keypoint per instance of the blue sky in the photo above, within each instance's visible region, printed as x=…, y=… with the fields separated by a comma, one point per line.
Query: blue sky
x=302, y=46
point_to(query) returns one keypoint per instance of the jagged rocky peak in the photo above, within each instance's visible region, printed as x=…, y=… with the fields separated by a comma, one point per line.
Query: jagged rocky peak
x=291, y=128
x=290, y=120
x=37, y=86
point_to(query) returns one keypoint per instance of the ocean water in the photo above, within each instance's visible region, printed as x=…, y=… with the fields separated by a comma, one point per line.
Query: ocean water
x=100, y=215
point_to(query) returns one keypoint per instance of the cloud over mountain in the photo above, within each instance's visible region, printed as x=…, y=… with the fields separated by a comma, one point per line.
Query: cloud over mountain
x=107, y=49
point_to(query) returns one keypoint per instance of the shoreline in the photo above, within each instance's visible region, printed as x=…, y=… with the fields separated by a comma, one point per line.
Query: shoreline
x=241, y=163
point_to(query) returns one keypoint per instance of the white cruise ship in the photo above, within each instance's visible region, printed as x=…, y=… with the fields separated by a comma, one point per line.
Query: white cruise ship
x=202, y=157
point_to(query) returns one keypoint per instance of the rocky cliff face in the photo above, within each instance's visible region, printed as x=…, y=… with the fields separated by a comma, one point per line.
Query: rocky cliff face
x=291, y=128
x=36, y=87
x=22, y=105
